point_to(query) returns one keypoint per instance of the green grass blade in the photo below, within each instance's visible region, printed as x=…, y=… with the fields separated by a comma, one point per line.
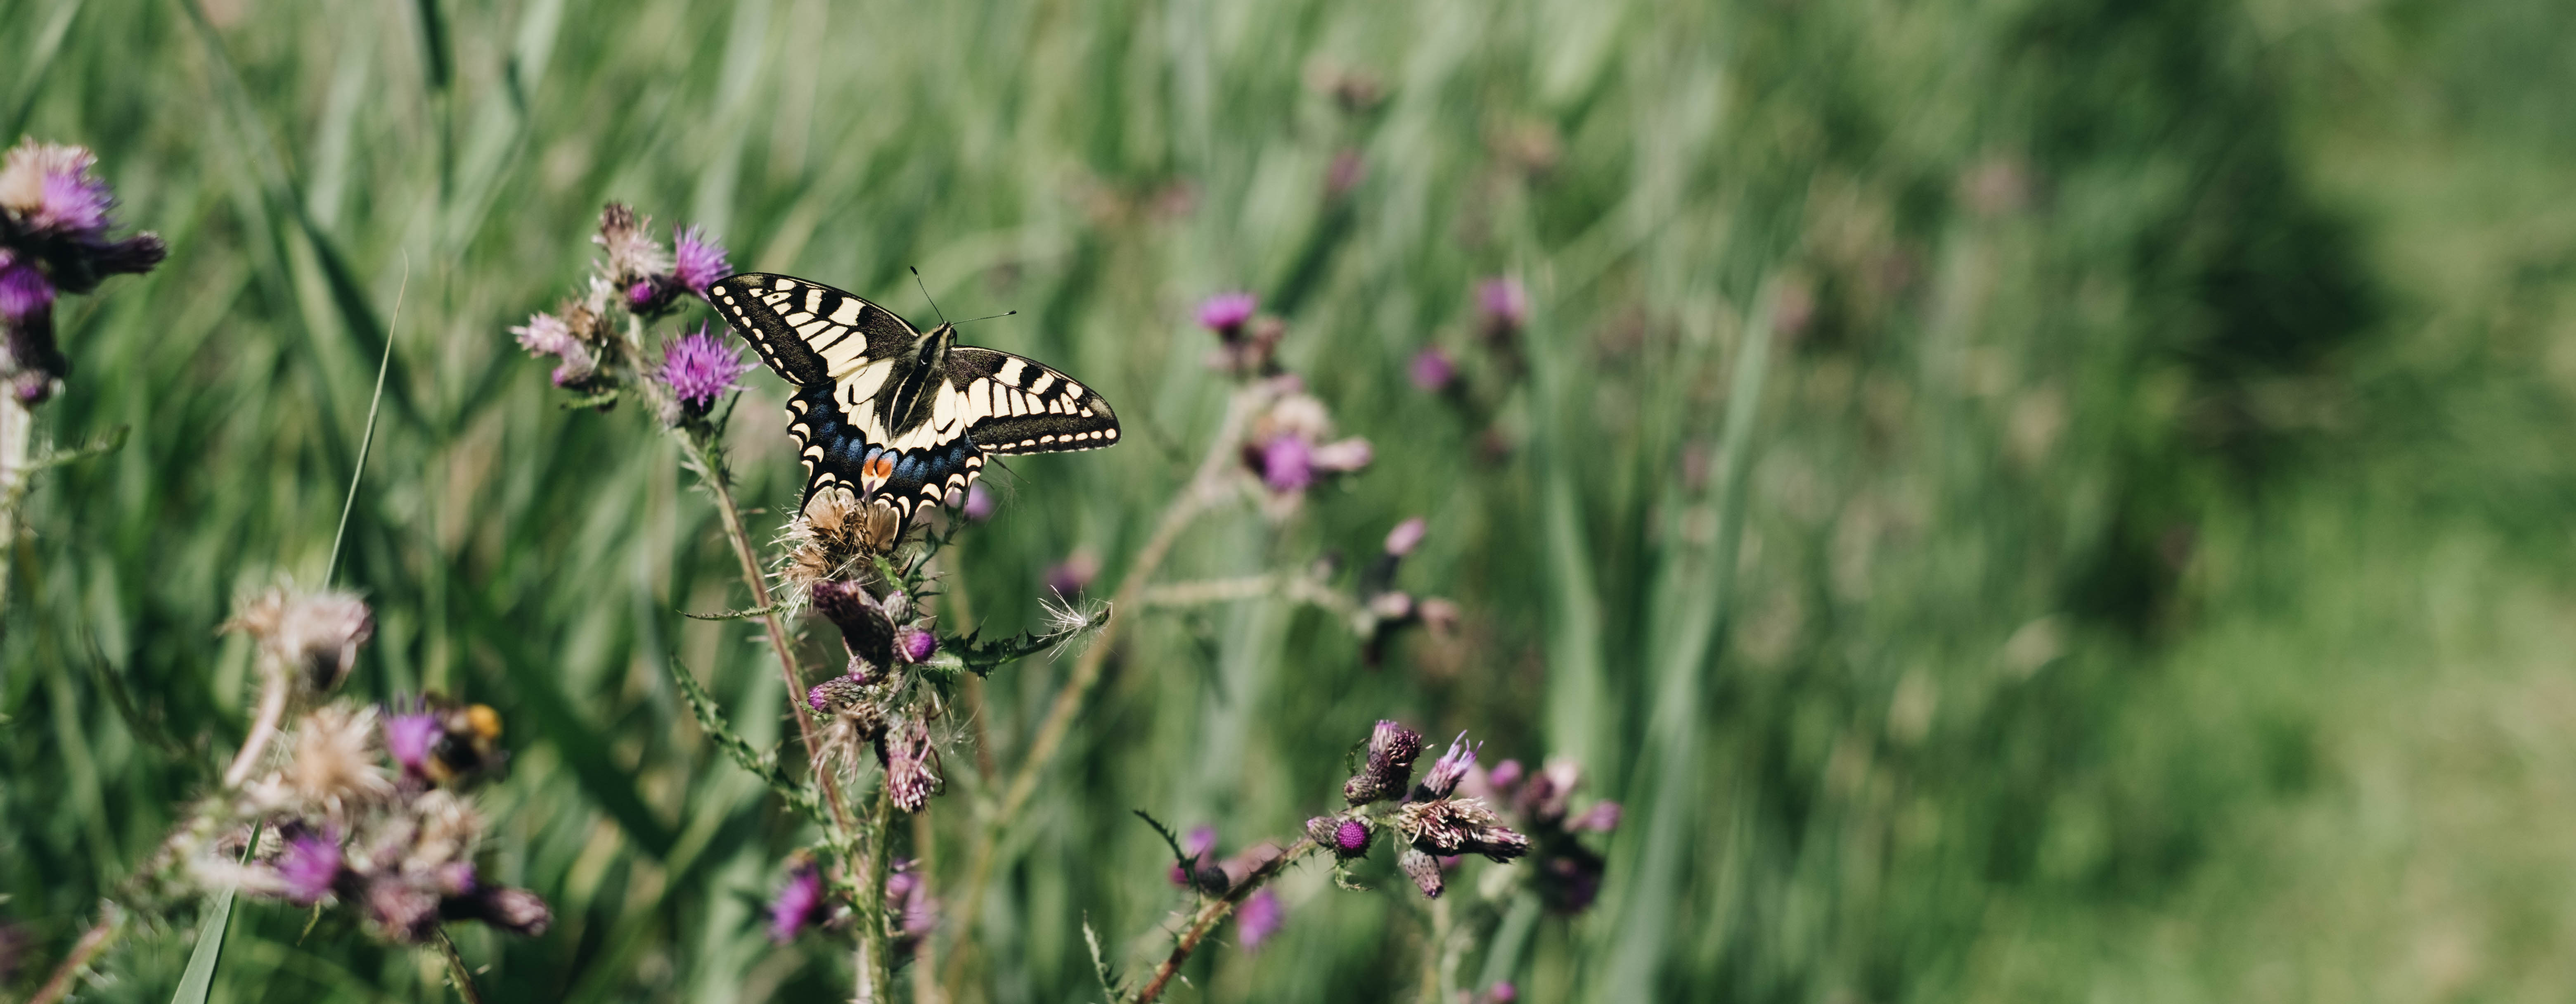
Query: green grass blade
x=199, y=978
x=358, y=471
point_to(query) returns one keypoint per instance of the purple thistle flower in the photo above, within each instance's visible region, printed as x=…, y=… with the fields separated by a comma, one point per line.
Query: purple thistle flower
x=1288, y=464
x=1351, y=838
x=308, y=868
x=911, y=765
x=1225, y=313
x=1392, y=749
x=48, y=188
x=1505, y=775
x=979, y=503
x=1500, y=993
x=1406, y=536
x=1432, y=369
x=1075, y=573
x=1258, y=919
x=24, y=290
x=915, y=645
x=798, y=904
x=1602, y=817
x=1504, y=303
x=518, y=911
x=700, y=262
x=644, y=296
x=1451, y=766
x=1198, y=845
x=410, y=737
x=699, y=367
x=548, y=335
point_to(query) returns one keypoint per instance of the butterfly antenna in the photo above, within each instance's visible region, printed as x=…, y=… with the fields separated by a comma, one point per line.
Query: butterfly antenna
x=988, y=317
x=925, y=294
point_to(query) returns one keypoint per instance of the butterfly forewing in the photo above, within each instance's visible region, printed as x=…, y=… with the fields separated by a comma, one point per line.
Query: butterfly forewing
x=1014, y=405
x=842, y=351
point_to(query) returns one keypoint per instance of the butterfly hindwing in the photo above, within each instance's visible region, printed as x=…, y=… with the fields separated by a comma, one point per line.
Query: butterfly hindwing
x=1014, y=405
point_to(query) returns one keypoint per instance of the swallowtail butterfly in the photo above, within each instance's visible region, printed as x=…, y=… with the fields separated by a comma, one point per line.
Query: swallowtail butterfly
x=893, y=415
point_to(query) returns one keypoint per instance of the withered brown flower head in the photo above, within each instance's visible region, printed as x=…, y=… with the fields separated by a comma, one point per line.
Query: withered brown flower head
x=312, y=635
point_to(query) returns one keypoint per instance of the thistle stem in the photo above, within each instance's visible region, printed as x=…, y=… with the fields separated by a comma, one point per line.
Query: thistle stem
x=711, y=472
x=875, y=969
x=457, y=975
x=111, y=922
x=263, y=729
x=1193, y=499
x=925, y=968
x=1215, y=911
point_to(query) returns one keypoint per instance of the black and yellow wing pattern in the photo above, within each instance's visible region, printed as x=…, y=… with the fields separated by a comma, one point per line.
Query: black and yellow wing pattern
x=887, y=412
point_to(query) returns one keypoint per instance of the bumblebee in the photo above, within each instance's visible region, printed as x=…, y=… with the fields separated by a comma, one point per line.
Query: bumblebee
x=468, y=743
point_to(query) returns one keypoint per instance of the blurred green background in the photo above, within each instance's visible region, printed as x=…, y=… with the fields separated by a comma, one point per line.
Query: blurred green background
x=2153, y=580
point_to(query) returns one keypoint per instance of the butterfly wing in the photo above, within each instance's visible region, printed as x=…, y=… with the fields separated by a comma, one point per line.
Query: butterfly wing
x=1013, y=405
x=838, y=349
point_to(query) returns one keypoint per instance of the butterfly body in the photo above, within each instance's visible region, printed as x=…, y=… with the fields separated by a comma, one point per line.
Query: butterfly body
x=894, y=415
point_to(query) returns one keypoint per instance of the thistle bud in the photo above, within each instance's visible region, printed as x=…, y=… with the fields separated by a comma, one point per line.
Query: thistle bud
x=1424, y=870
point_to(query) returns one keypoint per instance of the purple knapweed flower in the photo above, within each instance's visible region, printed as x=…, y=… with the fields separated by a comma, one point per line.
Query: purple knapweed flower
x=698, y=368
x=410, y=737
x=1504, y=303
x=699, y=261
x=798, y=905
x=1446, y=772
x=308, y=869
x=1258, y=918
x=1432, y=369
x=1225, y=313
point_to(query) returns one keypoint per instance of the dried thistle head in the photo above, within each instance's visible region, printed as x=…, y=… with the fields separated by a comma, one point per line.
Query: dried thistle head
x=911, y=765
x=335, y=768
x=633, y=255
x=835, y=537
x=311, y=636
x=1449, y=826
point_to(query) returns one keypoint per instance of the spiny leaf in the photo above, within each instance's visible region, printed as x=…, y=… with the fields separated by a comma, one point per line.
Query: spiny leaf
x=738, y=615
x=761, y=765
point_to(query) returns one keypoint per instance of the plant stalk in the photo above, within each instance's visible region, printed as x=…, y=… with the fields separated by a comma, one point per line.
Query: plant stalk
x=457, y=975
x=1193, y=499
x=1215, y=911
x=111, y=923
x=712, y=474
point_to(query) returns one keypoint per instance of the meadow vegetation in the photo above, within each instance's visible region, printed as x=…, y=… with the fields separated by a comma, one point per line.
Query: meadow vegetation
x=2012, y=500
